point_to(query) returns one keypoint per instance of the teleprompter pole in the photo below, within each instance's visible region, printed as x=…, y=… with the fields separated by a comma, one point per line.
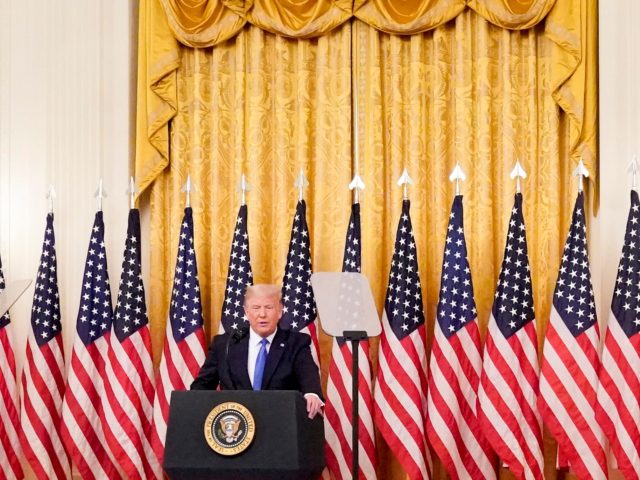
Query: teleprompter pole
x=355, y=337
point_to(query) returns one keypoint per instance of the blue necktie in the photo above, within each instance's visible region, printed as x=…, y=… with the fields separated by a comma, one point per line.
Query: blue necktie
x=260, y=363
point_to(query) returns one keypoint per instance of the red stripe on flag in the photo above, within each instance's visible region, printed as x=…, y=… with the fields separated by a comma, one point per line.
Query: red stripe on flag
x=10, y=465
x=81, y=427
x=180, y=364
x=567, y=399
x=41, y=404
x=400, y=397
x=618, y=408
x=453, y=427
x=507, y=400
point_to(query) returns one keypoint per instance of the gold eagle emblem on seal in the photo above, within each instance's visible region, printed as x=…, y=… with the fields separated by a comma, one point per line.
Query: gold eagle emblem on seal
x=229, y=428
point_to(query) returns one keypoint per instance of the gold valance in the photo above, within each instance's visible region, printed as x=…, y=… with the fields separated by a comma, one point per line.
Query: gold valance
x=205, y=23
x=165, y=24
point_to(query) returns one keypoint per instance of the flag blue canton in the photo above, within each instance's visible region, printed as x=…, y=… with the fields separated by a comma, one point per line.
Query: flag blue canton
x=626, y=296
x=403, y=302
x=4, y=319
x=573, y=296
x=45, y=312
x=513, y=304
x=131, y=309
x=95, y=314
x=351, y=261
x=185, y=312
x=457, y=306
x=297, y=296
x=239, y=276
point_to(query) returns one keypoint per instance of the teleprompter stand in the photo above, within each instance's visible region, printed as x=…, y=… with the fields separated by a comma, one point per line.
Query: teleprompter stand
x=347, y=311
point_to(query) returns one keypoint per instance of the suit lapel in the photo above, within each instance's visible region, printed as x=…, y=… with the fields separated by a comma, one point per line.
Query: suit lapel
x=238, y=363
x=275, y=354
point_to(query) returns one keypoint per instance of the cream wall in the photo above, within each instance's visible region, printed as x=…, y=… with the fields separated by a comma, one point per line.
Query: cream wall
x=619, y=133
x=67, y=81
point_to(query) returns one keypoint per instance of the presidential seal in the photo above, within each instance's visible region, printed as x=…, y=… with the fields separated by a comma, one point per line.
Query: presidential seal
x=229, y=428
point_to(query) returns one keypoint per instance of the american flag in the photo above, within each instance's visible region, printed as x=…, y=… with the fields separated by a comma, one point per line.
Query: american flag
x=456, y=361
x=299, y=311
x=618, y=409
x=239, y=276
x=508, y=390
x=43, y=373
x=338, y=418
x=400, y=394
x=184, y=341
x=128, y=410
x=9, y=421
x=81, y=429
x=570, y=362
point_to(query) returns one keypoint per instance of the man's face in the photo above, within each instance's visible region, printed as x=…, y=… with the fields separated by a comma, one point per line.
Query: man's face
x=263, y=314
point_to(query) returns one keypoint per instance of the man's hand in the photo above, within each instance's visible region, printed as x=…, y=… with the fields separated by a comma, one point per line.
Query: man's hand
x=314, y=404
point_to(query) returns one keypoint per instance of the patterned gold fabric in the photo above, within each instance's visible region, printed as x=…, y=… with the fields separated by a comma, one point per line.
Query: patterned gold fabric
x=464, y=89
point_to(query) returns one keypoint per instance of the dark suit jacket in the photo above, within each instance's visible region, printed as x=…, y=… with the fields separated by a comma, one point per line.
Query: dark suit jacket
x=289, y=366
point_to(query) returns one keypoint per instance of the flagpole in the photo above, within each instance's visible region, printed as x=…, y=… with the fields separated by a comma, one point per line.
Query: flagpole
x=355, y=121
x=356, y=185
x=100, y=194
x=404, y=181
x=581, y=172
x=633, y=170
x=188, y=188
x=518, y=173
x=243, y=188
x=132, y=191
x=300, y=183
x=51, y=195
x=457, y=175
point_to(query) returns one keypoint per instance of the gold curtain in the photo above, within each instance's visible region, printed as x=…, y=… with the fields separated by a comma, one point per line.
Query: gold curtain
x=471, y=87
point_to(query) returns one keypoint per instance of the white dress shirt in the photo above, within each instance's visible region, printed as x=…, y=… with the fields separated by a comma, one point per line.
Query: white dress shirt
x=254, y=349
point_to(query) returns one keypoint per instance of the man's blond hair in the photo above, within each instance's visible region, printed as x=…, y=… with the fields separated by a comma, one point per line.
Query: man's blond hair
x=263, y=290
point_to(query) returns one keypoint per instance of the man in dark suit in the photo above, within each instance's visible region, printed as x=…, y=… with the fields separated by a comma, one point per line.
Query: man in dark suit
x=265, y=357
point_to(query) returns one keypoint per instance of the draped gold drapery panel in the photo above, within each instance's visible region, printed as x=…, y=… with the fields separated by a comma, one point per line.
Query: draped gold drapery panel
x=471, y=87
